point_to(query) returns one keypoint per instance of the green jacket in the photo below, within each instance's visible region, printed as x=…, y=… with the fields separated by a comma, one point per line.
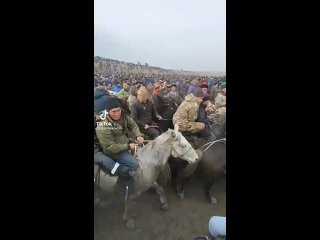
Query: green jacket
x=123, y=92
x=114, y=137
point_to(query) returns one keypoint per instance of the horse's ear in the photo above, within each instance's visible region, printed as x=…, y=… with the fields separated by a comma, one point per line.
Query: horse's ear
x=199, y=153
x=173, y=134
x=176, y=127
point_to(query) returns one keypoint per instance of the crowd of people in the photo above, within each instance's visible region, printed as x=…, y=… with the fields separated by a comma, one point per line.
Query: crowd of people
x=196, y=105
x=111, y=66
x=127, y=108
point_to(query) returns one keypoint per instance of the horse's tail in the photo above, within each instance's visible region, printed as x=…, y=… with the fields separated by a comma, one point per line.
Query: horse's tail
x=165, y=175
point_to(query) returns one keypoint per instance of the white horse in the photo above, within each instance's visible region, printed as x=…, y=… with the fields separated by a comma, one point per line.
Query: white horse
x=153, y=157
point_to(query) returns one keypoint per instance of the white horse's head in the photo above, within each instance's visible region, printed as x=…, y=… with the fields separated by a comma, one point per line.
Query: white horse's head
x=181, y=147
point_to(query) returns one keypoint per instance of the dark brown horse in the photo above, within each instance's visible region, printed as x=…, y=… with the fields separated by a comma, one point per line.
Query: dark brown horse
x=166, y=108
x=212, y=166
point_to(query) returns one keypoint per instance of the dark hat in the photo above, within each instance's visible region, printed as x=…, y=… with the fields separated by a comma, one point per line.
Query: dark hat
x=206, y=97
x=198, y=92
x=112, y=102
x=133, y=90
x=173, y=85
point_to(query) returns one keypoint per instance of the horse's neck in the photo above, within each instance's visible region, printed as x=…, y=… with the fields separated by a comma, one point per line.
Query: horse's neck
x=154, y=151
x=218, y=130
x=149, y=158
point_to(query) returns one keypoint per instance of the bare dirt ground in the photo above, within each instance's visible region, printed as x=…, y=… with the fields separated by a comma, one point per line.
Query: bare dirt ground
x=184, y=220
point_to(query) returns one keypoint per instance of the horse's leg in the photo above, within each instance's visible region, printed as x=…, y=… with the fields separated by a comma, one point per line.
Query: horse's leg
x=207, y=190
x=129, y=221
x=135, y=195
x=160, y=191
x=183, y=177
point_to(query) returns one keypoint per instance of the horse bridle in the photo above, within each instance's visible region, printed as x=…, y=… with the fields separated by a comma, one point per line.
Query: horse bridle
x=186, y=151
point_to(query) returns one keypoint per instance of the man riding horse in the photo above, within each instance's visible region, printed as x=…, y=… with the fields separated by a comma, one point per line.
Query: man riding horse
x=117, y=133
x=187, y=114
x=107, y=164
x=110, y=166
x=203, y=117
x=143, y=112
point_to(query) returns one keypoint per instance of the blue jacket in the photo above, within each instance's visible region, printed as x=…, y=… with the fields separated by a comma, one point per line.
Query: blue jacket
x=100, y=99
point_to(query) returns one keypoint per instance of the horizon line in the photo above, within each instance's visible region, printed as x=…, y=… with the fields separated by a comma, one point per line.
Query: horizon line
x=184, y=70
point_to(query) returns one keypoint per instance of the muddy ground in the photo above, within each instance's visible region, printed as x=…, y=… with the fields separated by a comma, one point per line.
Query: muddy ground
x=184, y=220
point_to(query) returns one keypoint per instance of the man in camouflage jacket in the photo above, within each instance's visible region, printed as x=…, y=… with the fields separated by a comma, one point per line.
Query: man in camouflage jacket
x=187, y=113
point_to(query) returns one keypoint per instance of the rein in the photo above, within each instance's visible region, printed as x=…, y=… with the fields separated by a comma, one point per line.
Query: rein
x=136, y=156
x=209, y=144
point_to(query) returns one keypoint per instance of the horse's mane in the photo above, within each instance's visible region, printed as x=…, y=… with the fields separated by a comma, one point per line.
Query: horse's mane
x=151, y=156
x=156, y=144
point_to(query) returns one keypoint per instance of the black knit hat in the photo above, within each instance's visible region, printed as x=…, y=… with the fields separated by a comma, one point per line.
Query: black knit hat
x=112, y=102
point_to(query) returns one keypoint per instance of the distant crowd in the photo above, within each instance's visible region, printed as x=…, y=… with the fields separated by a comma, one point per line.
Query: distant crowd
x=151, y=82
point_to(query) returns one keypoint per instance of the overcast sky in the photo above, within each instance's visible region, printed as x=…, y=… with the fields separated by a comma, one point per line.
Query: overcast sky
x=175, y=34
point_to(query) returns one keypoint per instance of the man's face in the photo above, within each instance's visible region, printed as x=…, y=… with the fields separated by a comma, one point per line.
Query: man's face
x=173, y=89
x=115, y=113
x=142, y=97
x=126, y=86
x=205, y=103
x=163, y=85
x=205, y=90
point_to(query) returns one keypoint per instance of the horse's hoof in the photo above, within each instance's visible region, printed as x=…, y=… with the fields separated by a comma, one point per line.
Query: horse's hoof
x=130, y=224
x=164, y=207
x=213, y=200
x=180, y=195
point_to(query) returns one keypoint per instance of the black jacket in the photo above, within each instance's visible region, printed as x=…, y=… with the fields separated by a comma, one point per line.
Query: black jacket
x=143, y=113
x=202, y=115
